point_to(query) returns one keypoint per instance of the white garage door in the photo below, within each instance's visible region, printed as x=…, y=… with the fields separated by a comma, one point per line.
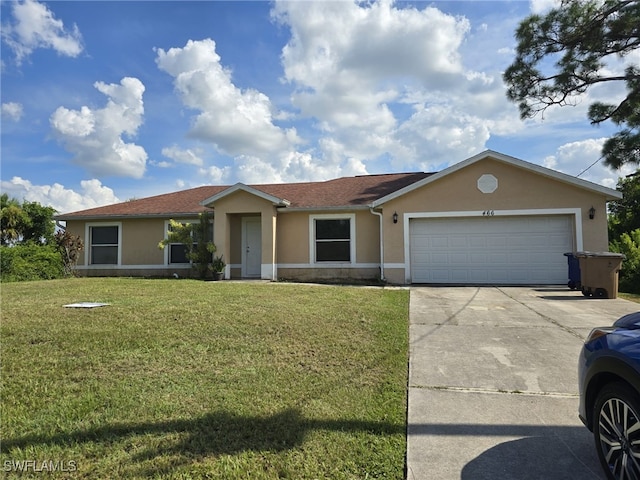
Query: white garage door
x=491, y=250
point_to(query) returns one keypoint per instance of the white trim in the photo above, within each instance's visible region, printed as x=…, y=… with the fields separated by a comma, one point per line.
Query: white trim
x=576, y=212
x=87, y=236
x=267, y=271
x=394, y=265
x=178, y=266
x=352, y=238
x=245, y=188
x=609, y=193
x=319, y=266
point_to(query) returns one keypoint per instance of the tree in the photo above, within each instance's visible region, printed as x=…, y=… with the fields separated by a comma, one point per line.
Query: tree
x=624, y=231
x=29, y=222
x=562, y=54
x=12, y=220
x=196, y=237
x=41, y=227
x=624, y=214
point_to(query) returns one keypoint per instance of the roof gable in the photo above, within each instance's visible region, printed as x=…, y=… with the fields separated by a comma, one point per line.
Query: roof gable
x=241, y=187
x=609, y=193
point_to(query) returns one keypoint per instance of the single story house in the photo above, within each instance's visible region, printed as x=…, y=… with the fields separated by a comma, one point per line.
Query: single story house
x=490, y=219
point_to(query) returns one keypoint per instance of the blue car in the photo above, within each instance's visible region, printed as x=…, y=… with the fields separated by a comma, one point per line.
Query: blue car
x=609, y=379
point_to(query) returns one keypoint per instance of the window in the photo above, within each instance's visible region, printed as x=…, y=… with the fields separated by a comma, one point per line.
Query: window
x=333, y=239
x=178, y=251
x=104, y=245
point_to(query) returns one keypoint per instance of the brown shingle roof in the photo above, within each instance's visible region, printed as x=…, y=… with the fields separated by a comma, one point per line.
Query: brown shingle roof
x=341, y=192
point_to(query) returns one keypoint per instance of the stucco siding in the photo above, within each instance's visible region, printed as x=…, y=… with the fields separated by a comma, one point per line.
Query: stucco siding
x=517, y=190
x=293, y=238
x=140, y=240
x=367, y=237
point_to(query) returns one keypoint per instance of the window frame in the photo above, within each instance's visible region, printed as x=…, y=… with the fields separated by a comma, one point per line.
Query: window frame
x=88, y=254
x=167, y=250
x=313, y=240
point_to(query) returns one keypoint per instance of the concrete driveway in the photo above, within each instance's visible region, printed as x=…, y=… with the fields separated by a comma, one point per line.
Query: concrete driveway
x=493, y=389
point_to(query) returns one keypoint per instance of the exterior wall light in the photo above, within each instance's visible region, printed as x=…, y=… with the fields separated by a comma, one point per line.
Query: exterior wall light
x=395, y=217
x=592, y=213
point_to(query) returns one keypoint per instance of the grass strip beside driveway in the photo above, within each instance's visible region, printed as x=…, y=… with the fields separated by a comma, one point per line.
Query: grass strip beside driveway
x=190, y=379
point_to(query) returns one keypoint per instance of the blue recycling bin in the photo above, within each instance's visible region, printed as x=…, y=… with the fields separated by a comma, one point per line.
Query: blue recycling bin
x=574, y=271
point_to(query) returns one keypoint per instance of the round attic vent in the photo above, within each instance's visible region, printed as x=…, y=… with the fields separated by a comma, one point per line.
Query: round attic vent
x=487, y=183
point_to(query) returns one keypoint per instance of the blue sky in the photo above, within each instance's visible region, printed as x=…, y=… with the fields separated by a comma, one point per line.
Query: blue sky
x=108, y=101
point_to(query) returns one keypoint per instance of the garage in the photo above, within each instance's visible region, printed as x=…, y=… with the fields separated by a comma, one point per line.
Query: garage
x=492, y=249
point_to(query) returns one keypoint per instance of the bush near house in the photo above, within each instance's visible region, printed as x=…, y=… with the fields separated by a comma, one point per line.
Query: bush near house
x=629, y=245
x=30, y=247
x=30, y=262
x=624, y=231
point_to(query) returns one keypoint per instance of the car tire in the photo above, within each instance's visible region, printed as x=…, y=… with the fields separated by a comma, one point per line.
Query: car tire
x=616, y=430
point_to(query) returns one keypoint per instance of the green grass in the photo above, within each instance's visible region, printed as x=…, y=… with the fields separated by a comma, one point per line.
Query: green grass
x=634, y=297
x=187, y=379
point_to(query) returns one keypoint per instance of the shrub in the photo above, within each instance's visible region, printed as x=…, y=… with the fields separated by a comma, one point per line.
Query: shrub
x=30, y=262
x=629, y=245
x=69, y=247
x=196, y=238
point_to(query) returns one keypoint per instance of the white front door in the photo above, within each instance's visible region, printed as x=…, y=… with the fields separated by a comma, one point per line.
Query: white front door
x=252, y=246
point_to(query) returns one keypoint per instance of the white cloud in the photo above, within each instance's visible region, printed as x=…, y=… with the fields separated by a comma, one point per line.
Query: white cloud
x=74, y=123
x=238, y=122
x=354, y=63
x=94, y=137
x=351, y=61
x=584, y=158
x=34, y=26
x=12, y=111
x=92, y=194
x=449, y=134
x=332, y=40
x=543, y=6
x=188, y=156
x=214, y=175
x=241, y=123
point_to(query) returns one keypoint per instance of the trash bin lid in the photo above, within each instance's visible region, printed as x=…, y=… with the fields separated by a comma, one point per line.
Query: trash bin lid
x=599, y=254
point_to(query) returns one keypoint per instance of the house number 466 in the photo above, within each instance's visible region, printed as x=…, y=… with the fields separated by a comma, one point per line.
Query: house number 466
x=488, y=213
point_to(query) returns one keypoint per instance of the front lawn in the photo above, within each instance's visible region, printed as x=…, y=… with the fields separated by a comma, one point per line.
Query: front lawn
x=187, y=379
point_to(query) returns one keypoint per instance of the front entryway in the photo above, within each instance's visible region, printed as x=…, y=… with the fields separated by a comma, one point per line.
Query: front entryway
x=252, y=247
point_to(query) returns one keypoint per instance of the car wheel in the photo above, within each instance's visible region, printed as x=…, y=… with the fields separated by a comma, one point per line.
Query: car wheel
x=617, y=431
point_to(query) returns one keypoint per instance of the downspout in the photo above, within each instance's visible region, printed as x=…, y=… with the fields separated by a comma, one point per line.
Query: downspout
x=379, y=214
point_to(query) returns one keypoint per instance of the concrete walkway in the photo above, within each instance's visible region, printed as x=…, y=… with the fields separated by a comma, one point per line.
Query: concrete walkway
x=493, y=389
